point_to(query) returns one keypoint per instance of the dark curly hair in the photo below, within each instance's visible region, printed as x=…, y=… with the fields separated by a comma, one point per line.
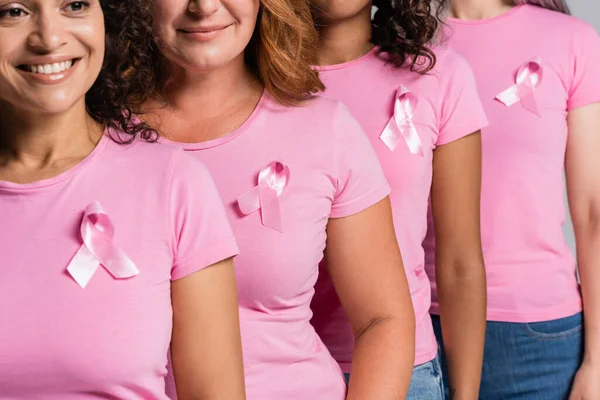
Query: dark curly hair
x=126, y=78
x=403, y=29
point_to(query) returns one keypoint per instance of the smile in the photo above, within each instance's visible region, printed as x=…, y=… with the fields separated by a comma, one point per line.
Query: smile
x=48, y=69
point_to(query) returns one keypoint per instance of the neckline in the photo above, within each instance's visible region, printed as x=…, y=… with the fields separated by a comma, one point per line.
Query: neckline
x=373, y=52
x=262, y=102
x=484, y=21
x=17, y=187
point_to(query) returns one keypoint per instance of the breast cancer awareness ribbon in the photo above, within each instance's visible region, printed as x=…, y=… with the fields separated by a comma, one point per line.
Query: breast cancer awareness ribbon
x=98, y=248
x=272, y=180
x=529, y=76
x=401, y=124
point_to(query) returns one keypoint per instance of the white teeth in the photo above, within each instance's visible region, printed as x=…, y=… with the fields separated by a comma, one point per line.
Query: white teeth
x=48, y=69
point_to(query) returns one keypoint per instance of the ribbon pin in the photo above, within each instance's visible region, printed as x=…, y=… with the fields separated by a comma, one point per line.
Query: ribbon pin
x=401, y=124
x=529, y=76
x=97, y=232
x=272, y=180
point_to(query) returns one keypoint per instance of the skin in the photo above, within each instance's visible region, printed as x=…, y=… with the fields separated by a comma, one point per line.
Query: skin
x=582, y=163
x=213, y=93
x=46, y=130
x=583, y=189
x=344, y=36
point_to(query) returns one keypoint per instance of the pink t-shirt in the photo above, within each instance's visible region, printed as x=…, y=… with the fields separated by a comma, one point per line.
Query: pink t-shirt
x=530, y=270
x=110, y=339
x=333, y=172
x=446, y=108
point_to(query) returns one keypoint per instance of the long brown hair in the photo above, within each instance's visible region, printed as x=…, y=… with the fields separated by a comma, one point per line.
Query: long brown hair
x=554, y=5
x=282, y=51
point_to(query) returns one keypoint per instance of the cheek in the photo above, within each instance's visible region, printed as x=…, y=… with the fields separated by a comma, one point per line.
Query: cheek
x=12, y=46
x=164, y=13
x=91, y=33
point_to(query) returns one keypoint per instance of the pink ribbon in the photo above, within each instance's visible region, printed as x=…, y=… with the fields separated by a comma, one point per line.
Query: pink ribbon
x=401, y=124
x=272, y=180
x=529, y=76
x=97, y=232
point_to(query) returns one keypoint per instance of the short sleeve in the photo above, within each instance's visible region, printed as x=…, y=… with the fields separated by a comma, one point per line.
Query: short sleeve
x=360, y=182
x=202, y=235
x=585, y=82
x=461, y=111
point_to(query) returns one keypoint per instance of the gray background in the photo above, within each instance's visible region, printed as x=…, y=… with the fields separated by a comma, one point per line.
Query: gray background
x=588, y=10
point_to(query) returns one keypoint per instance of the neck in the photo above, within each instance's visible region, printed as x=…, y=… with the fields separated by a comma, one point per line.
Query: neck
x=345, y=40
x=39, y=140
x=479, y=9
x=212, y=93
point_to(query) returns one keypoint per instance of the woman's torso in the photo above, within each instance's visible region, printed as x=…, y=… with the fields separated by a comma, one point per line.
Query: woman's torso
x=445, y=108
x=109, y=339
x=276, y=270
x=530, y=270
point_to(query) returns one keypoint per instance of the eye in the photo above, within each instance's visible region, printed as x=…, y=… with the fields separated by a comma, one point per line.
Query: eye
x=12, y=12
x=77, y=6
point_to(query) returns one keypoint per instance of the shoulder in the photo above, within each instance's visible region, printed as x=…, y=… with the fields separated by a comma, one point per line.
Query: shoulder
x=316, y=113
x=159, y=161
x=449, y=63
x=556, y=23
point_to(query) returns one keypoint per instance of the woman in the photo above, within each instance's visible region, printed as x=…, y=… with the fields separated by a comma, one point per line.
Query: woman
x=105, y=245
x=537, y=73
x=296, y=174
x=420, y=110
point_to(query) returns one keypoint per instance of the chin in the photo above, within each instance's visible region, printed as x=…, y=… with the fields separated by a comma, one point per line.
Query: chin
x=54, y=105
x=206, y=63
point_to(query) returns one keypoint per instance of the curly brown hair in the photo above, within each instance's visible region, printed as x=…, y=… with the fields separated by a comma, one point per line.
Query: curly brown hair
x=125, y=80
x=404, y=29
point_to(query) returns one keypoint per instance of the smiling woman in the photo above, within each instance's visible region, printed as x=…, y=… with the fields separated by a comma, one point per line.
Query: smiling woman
x=93, y=287
x=238, y=91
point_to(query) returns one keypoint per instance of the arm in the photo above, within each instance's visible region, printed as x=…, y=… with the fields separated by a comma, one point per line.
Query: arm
x=206, y=347
x=366, y=269
x=459, y=267
x=582, y=167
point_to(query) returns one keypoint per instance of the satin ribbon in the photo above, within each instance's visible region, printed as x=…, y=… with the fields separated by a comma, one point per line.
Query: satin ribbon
x=529, y=76
x=272, y=180
x=97, y=232
x=401, y=124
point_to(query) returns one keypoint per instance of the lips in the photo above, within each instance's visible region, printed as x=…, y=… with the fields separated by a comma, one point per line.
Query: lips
x=204, y=29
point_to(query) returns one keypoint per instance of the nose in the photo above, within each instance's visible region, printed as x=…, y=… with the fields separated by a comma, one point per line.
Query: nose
x=49, y=33
x=204, y=8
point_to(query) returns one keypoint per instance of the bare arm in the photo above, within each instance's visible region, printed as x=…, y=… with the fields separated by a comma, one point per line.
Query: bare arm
x=366, y=269
x=460, y=272
x=206, y=348
x=582, y=167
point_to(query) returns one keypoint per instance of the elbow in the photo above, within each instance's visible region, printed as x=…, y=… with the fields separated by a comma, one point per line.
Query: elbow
x=398, y=326
x=461, y=267
x=586, y=225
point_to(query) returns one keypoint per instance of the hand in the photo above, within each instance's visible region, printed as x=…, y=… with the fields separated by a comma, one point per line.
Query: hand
x=587, y=383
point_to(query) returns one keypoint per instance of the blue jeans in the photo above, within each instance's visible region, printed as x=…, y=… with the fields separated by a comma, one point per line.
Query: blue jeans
x=529, y=361
x=426, y=382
